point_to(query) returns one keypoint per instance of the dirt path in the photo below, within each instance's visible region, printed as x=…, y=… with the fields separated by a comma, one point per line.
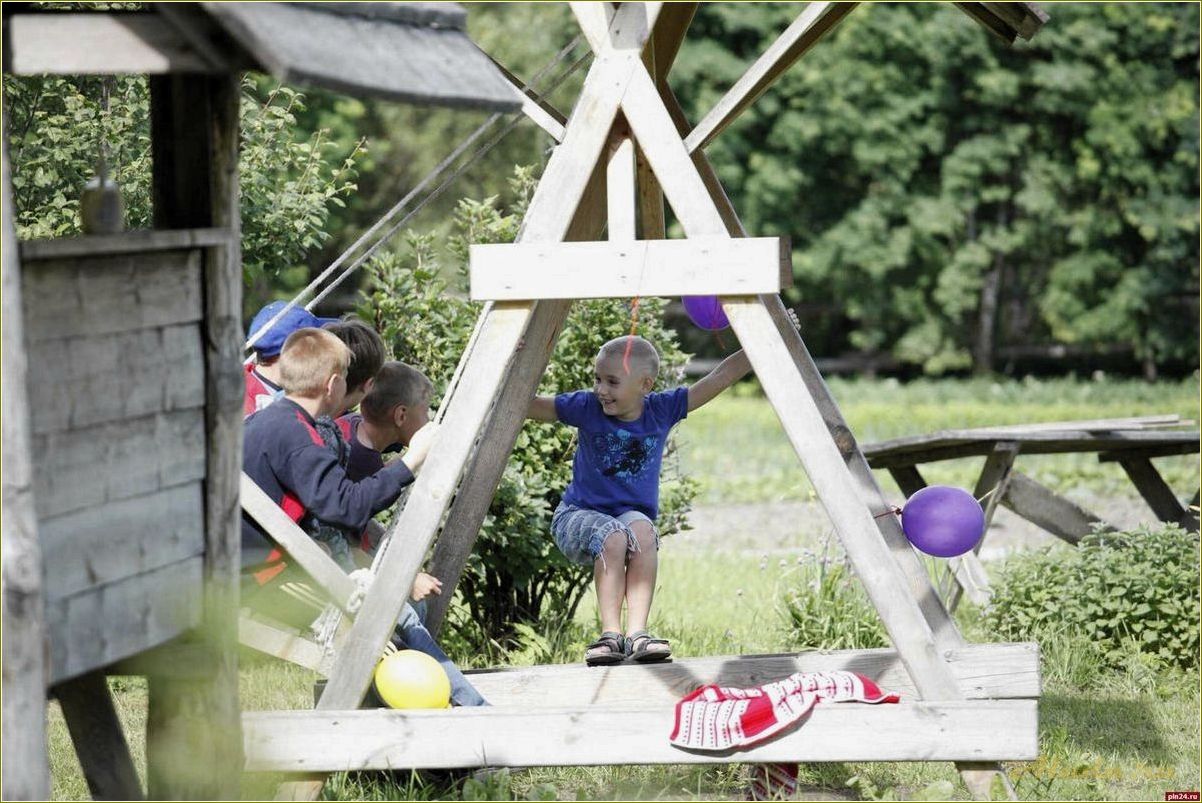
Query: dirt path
x=784, y=528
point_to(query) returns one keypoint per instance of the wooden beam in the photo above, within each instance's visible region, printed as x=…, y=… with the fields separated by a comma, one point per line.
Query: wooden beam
x=970, y=574
x=542, y=113
x=98, y=44
x=25, y=663
x=302, y=549
x=1157, y=493
x=626, y=268
x=1039, y=505
x=488, y=461
x=99, y=741
x=815, y=22
x=305, y=741
x=984, y=671
x=279, y=642
x=548, y=218
x=193, y=725
x=670, y=30
x=620, y=200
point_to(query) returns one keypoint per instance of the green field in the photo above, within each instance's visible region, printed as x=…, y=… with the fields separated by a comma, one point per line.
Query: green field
x=1117, y=735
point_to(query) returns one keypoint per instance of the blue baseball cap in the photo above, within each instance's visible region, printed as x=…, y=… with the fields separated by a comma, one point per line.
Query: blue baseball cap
x=272, y=341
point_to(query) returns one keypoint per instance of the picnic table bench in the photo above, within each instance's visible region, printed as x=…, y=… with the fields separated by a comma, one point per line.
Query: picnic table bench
x=1130, y=442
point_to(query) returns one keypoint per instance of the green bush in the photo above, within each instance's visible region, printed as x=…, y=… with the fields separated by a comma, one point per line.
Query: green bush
x=831, y=610
x=1123, y=590
x=515, y=573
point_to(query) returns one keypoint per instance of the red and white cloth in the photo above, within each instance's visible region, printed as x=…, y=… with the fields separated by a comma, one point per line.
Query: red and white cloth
x=721, y=718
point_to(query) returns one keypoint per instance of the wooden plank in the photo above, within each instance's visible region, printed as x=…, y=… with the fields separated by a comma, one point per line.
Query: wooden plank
x=669, y=34
x=99, y=740
x=1157, y=493
x=97, y=44
x=534, y=106
x=303, y=550
x=908, y=479
x=113, y=377
x=82, y=468
x=696, y=266
x=488, y=461
x=984, y=671
x=280, y=642
x=106, y=623
x=121, y=539
x=305, y=741
x=620, y=197
x=970, y=574
x=989, y=21
x=127, y=242
x=84, y=297
x=1099, y=424
x=1166, y=450
x=950, y=444
x=26, y=774
x=193, y=725
x=1040, y=506
x=814, y=22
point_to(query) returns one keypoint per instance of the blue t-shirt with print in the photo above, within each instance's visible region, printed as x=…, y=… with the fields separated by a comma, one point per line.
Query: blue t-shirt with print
x=616, y=468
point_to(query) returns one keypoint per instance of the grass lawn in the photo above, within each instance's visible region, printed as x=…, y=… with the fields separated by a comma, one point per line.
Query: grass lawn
x=1120, y=735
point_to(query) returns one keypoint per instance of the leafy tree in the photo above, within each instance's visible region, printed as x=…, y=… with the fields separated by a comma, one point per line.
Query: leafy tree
x=949, y=194
x=289, y=183
x=515, y=573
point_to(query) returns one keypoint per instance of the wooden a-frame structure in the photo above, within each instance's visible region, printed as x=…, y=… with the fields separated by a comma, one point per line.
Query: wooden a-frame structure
x=626, y=142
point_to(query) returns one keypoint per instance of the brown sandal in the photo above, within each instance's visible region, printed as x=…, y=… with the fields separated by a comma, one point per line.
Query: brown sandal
x=607, y=650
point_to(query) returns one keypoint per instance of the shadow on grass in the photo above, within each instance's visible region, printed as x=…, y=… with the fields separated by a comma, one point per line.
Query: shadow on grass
x=1103, y=725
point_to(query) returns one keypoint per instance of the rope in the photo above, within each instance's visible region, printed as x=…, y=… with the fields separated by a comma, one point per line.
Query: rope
x=433, y=174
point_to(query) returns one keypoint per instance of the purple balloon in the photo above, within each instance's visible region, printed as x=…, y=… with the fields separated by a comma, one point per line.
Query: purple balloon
x=706, y=312
x=943, y=521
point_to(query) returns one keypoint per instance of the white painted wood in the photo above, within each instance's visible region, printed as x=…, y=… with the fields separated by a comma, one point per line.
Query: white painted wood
x=534, y=106
x=113, y=377
x=813, y=23
x=280, y=642
x=622, y=269
x=1044, y=508
x=75, y=297
x=22, y=649
x=620, y=196
x=104, y=624
x=306, y=741
x=297, y=543
x=92, y=43
x=984, y=671
x=121, y=539
x=80, y=468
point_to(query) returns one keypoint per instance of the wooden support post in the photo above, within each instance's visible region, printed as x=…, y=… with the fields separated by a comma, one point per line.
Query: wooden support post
x=1157, y=493
x=970, y=574
x=1037, y=504
x=194, y=725
x=24, y=659
x=99, y=741
x=815, y=21
x=908, y=479
x=534, y=106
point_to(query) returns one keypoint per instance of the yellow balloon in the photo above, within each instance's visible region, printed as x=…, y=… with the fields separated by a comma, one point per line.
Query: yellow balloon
x=412, y=679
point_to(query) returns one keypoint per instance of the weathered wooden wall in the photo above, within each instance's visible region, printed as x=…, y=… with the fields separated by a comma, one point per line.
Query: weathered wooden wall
x=117, y=393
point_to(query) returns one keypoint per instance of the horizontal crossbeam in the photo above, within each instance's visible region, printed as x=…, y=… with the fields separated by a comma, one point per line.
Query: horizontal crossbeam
x=984, y=671
x=696, y=267
x=332, y=741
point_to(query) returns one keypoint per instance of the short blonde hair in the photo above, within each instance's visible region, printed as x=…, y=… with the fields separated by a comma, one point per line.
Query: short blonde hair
x=642, y=353
x=308, y=360
x=396, y=383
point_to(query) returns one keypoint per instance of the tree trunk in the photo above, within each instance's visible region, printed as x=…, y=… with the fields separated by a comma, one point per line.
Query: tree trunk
x=983, y=343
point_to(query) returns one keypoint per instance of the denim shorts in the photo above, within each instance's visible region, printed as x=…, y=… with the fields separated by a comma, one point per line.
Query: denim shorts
x=580, y=533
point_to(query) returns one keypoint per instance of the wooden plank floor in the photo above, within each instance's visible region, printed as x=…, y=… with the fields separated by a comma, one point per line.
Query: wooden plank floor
x=331, y=741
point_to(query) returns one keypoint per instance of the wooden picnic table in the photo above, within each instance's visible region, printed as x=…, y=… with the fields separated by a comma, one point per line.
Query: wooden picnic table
x=1130, y=442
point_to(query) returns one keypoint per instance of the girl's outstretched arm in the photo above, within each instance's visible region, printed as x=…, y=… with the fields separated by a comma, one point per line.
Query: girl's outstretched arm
x=729, y=371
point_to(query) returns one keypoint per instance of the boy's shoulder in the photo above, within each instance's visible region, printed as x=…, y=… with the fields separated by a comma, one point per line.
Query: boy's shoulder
x=283, y=424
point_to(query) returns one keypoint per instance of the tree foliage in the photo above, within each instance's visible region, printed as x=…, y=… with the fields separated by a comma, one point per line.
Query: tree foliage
x=949, y=194
x=515, y=573
x=289, y=180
